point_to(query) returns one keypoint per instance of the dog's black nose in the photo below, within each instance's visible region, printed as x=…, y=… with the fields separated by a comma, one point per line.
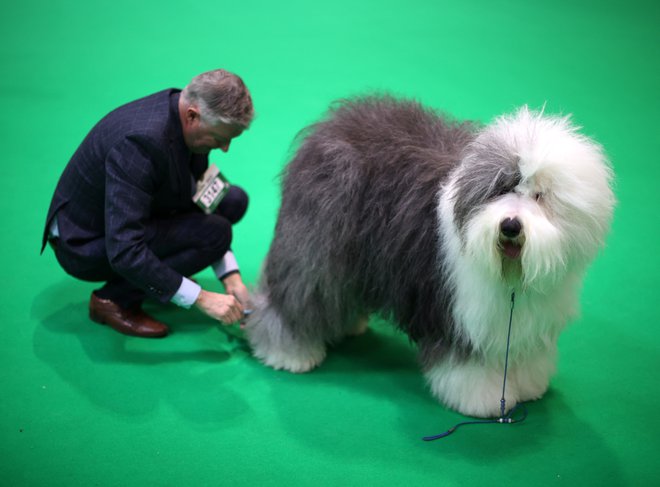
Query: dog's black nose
x=510, y=227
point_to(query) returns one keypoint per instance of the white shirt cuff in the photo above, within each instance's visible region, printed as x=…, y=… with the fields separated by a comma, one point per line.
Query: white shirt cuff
x=226, y=265
x=187, y=293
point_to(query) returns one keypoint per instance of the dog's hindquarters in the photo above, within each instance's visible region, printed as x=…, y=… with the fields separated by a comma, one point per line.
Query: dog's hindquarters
x=356, y=230
x=307, y=298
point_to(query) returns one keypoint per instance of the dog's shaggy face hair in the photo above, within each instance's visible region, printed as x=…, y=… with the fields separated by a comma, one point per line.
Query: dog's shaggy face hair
x=390, y=208
x=539, y=171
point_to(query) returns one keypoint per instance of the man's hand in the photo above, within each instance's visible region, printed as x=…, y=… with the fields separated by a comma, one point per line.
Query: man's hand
x=222, y=307
x=235, y=287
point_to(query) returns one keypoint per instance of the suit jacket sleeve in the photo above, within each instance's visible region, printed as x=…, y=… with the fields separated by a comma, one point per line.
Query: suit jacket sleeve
x=132, y=176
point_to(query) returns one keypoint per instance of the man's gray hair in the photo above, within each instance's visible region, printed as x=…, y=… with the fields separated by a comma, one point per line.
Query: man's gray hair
x=220, y=96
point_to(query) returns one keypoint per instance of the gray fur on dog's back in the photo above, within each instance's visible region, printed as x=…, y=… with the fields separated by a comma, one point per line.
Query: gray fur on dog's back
x=357, y=230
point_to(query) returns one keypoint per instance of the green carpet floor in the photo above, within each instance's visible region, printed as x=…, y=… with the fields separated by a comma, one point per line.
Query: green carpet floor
x=81, y=405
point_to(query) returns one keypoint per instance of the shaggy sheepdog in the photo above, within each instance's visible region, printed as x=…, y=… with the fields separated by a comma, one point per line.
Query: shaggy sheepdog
x=392, y=208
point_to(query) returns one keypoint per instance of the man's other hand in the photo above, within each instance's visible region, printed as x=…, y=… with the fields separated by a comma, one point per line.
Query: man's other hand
x=222, y=307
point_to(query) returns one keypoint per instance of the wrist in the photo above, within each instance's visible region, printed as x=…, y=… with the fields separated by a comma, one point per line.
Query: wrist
x=201, y=298
x=232, y=281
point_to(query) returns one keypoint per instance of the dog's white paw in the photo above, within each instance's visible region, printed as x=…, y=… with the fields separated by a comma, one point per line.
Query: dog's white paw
x=532, y=376
x=470, y=388
x=302, y=361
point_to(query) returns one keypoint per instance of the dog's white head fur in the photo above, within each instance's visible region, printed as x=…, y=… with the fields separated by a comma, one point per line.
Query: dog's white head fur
x=557, y=190
x=554, y=183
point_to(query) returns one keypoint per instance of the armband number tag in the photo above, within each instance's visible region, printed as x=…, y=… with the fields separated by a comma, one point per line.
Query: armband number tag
x=211, y=189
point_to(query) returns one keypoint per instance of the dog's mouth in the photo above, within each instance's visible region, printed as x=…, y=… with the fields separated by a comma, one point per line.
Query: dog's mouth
x=510, y=248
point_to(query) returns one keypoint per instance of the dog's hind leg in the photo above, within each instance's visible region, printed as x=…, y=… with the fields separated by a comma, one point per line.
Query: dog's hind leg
x=281, y=344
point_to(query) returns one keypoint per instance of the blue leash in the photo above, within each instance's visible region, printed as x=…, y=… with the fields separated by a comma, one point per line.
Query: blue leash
x=504, y=418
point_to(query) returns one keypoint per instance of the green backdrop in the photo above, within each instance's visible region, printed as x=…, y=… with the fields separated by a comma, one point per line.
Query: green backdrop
x=81, y=405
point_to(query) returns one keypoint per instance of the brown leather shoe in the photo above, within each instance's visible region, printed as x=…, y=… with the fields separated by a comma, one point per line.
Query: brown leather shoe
x=132, y=321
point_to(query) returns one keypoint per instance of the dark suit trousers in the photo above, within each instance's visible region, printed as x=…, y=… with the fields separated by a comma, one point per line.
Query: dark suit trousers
x=187, y=242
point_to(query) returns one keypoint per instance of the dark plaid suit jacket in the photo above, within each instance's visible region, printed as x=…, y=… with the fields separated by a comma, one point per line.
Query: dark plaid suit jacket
x=133, y=166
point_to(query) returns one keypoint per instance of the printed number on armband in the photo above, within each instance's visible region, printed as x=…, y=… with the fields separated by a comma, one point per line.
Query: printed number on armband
x=211, y=193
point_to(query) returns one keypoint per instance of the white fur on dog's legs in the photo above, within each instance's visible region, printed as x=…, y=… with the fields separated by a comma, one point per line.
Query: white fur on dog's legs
x=532, y=376
x=470, y=387
x=293, y=362
x=275, y=346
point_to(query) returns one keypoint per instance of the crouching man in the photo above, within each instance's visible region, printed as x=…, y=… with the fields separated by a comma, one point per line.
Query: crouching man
x=123, y=209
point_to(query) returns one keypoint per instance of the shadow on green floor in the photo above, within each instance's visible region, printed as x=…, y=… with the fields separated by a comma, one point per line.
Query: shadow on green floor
x=190, y=370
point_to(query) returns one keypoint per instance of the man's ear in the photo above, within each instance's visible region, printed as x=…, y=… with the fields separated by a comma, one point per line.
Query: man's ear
x=192, y=114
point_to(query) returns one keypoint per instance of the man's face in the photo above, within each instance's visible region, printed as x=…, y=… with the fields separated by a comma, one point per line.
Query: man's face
x=201, y=137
